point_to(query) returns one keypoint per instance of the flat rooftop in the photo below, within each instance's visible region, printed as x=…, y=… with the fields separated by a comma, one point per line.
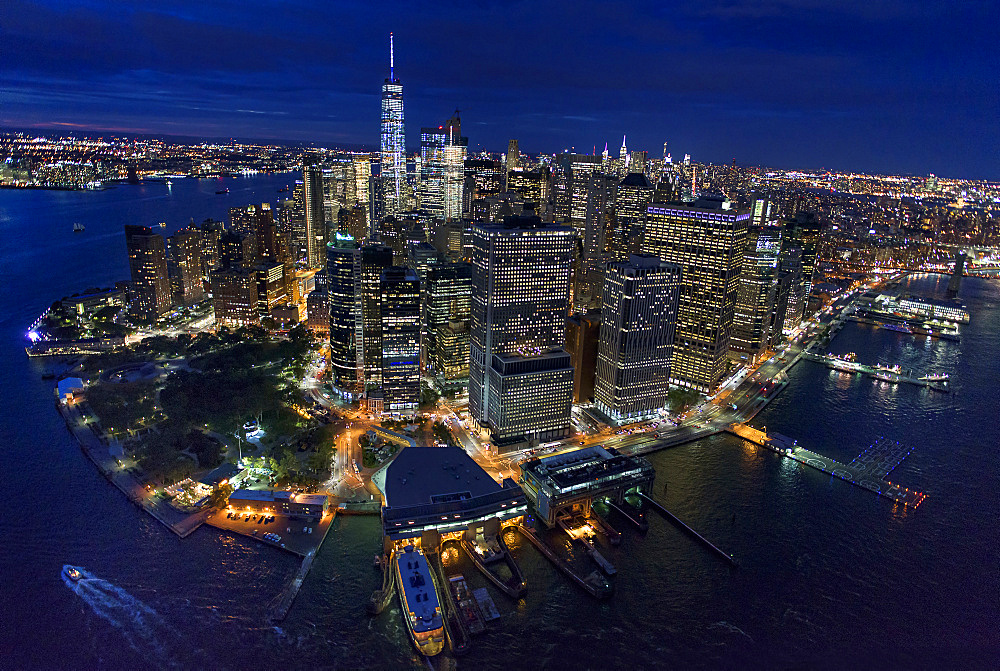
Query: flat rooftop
x=422, y=475
x=566, y=469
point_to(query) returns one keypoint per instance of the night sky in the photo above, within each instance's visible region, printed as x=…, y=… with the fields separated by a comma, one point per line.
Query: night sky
x=905, y=86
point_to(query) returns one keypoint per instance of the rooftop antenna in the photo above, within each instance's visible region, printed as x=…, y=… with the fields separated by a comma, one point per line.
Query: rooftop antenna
x=392, y=60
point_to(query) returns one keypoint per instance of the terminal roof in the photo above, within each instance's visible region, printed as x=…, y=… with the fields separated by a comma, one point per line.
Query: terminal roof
x=421, y=475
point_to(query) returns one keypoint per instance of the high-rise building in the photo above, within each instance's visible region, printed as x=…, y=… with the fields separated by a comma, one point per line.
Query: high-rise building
x=258, y=221
x=448, y=300
x=483, y=178
x=393, y=169
x=757, y=292
x=529, y=398
x=634, y=194
x=520, y=300
x=582, y=335
x=271, y=287
x=343, y=284
x=211, y=231
x=315, y=213
x=513, y=158
x=637, y=332
x=442, y=169
x=185, y=266
x=238, y=249
x=706, y=239
x=534, y=186
x=400, y=317
x=149, y=290
x=235, y=297
x=374, y=259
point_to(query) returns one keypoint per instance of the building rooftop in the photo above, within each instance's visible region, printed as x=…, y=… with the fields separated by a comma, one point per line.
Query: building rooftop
x=68, y=385
x=423, y=475
x=566, y=469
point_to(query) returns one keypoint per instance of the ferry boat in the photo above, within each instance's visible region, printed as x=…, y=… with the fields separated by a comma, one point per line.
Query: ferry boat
x=222, y=191
x=419, y=601
x=884, y=367
x=901, y=328
x=936, y=377
x=72, y=573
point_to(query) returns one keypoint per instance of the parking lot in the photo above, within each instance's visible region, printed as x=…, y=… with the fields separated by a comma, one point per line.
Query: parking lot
x=298, y=536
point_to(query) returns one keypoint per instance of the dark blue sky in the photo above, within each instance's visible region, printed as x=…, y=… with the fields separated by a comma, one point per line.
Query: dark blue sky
x=878, y=85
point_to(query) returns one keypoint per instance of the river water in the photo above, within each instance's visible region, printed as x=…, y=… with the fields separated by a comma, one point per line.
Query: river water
x=830, y=575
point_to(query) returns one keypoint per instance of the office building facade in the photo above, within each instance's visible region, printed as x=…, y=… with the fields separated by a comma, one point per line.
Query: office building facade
x=706, y=239
x=637, y=333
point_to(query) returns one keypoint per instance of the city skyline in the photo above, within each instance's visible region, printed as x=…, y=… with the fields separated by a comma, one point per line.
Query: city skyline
x=878, y=89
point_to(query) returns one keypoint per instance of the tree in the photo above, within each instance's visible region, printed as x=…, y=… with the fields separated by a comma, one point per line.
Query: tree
x=220, y=497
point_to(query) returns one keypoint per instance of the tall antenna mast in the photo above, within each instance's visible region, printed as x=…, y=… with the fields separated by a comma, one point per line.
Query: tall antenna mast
x=392, y=59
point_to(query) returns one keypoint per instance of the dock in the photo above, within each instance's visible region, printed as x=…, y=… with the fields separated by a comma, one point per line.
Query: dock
x=515, y=586
x=868, y=470
x=455, y=626
x=599, y=589
x=935, y=382
x=640, y=524
x=658, y=507
x=287, y=597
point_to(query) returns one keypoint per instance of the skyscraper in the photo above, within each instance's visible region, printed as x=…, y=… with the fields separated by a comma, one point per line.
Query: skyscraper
x=374, y=259
x=448, y=298
x=758, y=290
x=442, y=169
x=393, y=140
x=147, y=262
x=706, y=239
x=637, y=333
x=343, y=282
x=315, y=214
x=520, y=299
x=185, y=266
x=400, y=318
x=513, y=156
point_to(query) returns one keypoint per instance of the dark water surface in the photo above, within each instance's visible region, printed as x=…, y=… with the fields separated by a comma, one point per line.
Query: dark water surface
x=830, y=575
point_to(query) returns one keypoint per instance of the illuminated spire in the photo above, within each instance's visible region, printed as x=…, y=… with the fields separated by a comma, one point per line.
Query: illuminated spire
x=392, y=60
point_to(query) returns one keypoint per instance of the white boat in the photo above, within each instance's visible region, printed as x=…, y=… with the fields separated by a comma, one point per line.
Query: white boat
x=78, y=227
x=72, y=573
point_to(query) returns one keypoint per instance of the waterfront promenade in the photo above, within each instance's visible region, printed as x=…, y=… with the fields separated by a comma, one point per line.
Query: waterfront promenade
x=120, y=471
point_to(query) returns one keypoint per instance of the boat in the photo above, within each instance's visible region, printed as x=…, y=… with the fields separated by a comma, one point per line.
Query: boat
x=72, y=573
x=900, y=328
x=419, y=601
x=78, y=227
x=935, y=377
x=222, y=191
x=467, y=604
x=283, y=189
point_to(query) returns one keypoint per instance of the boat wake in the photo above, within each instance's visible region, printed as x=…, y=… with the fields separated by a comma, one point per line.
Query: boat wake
x=143, y=628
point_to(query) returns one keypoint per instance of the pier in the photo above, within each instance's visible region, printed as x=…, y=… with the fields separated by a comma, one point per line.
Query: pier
x=885, y=374
x=658, y=507
x=868, y=470
x=600, y=589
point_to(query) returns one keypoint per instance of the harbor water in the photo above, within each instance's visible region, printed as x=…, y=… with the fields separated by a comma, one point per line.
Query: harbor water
x=830, y=575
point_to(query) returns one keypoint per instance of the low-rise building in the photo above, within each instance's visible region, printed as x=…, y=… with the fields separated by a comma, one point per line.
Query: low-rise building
x=570, y=481
x=442, y=490
x=280, y=503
